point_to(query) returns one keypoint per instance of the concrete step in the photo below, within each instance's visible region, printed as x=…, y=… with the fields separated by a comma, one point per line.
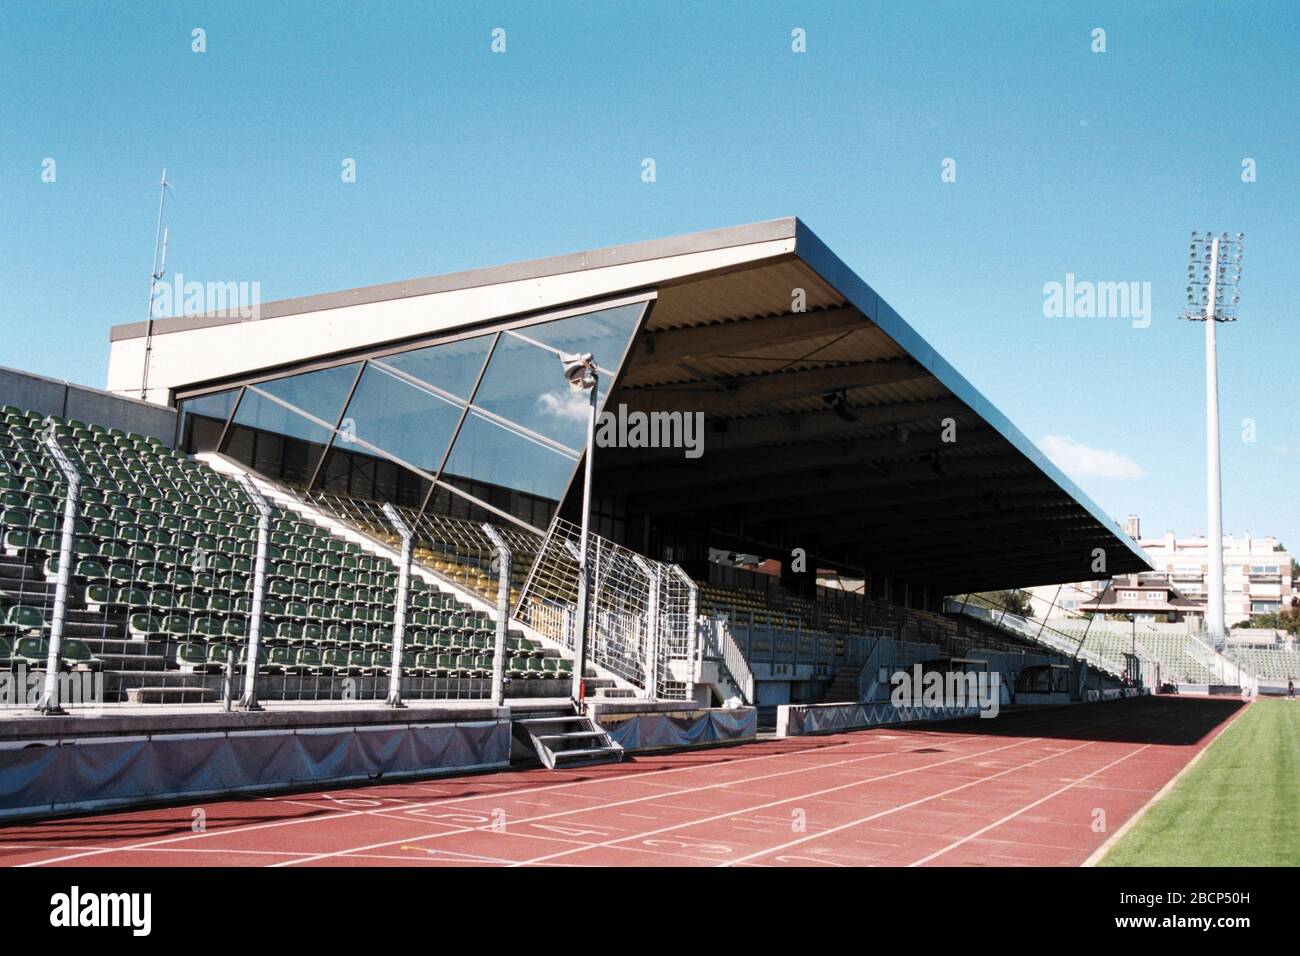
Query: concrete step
x=132, y=662
x=171, y=695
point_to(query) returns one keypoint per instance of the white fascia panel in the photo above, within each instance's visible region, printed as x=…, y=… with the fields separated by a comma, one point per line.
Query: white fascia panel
x=199, y=355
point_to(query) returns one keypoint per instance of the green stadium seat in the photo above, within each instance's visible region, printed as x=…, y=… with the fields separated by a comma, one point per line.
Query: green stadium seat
x=302, y=661
x=77, y=656
x=192, y=657
x=22, y=619
x=380, y=662
x=31, y=652
x=334, y=660
x=278, y=658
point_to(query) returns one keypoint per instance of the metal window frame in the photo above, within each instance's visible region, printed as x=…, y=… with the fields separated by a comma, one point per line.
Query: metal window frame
x=366, y=357
x=343, y=410
x=411, y=343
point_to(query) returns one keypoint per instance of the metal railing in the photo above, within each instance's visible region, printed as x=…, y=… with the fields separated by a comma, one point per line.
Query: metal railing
x=1107, y=645
x=457, y=549
x=640, y=610
x=718, y=644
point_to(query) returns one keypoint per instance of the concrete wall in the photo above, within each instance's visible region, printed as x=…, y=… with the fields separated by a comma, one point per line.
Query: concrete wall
x=91, y=405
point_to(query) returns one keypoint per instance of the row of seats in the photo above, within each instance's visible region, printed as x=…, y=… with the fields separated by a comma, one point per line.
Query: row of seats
x=34, y=652
x=1274, y=663
x=1108, y=643
x=164, y=551
x=463, y=563
x=337, y=661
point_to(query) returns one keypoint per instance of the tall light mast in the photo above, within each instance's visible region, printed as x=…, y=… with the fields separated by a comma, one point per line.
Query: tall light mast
x=1213, y=291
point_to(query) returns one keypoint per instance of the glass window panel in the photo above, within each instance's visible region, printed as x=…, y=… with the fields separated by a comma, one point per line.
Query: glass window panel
x=361, y=475
x=261, y=414
x=604, y=334
x=274, y=441
x=400, y=419
x=525, y=384
x=530, y=509
x=320, y=393
x=488, y=453
x=202, y=420
x=338, y=473
x=452, y=367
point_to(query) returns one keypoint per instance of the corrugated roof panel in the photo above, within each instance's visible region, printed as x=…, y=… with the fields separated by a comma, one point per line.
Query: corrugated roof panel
x=748, y=293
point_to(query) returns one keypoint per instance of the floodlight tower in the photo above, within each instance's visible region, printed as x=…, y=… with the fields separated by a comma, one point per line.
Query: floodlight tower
x=1213, y=291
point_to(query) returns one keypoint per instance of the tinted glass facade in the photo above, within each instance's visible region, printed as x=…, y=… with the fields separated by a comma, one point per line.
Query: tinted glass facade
x=481, y=426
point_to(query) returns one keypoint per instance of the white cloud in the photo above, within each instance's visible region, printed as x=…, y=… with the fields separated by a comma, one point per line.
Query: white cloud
x=568, y=403
x=1080, y=461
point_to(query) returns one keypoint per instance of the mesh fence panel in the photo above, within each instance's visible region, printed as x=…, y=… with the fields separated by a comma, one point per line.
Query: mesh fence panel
x=640, y=609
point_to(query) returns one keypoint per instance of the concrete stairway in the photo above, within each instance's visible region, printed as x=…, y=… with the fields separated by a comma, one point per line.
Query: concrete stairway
x=844, y=685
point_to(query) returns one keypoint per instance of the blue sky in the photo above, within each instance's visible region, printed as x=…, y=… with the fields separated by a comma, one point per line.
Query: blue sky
x=1068, y=161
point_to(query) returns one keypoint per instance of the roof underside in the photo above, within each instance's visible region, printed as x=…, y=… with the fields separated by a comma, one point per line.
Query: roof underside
x=823, y=432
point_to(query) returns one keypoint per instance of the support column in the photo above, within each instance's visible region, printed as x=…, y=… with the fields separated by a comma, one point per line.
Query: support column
x=248, y=701
x=49, y=700
x=504, y=558
x=403, y=530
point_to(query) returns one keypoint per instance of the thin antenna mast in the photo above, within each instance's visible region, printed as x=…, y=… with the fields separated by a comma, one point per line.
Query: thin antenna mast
x=155, y=274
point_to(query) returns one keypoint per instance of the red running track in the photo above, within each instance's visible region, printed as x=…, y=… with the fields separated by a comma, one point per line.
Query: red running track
x=1021, y=789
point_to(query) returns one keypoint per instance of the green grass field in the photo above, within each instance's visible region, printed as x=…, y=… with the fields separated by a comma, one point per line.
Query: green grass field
x=1236, y=807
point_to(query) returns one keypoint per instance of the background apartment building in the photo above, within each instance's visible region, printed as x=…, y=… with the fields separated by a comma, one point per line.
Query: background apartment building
x=1256, y=580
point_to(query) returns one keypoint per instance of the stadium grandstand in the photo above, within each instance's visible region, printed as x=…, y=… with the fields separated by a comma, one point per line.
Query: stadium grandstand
x=367, y=507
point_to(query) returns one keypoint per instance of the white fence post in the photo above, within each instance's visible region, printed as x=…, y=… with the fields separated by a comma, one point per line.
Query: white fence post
x=650, y=651
x=49, y=701
x=692, y=610
x=399, y=612
x=248, y=701
x=504, y=557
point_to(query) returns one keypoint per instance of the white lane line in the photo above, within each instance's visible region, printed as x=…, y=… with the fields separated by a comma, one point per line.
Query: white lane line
x=875, y=816
x=1029, y=806
x=774, y=803
x=953, y=738
x=1098, y=854
x=905, y=806
x=619, y=803
x=858, y=738
x=171, y=849
x=342, y=815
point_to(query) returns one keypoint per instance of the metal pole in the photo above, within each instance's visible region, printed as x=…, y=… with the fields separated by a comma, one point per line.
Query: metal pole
x=49, y=702
x=399, y=612
x=1134, y=622
x=1214, y=497
x=248, y=701
x=584, y=571
x=504, y=558
x=692, y=636
x=154, y=276
x=228, y=680
x=649, y=659
x=1056, y=598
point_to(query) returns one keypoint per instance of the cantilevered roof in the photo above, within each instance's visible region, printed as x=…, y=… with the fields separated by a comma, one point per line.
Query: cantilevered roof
x=826, y=430
x=825, y=411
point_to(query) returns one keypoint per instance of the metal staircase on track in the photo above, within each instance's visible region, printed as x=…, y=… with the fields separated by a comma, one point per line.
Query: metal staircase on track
x=569, y=740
